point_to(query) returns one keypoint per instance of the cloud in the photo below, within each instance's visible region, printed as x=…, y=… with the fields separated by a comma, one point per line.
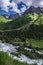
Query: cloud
x=15, y=7
x=37, y=3
x=23, y=9
x=4, y=4
x=41, y=3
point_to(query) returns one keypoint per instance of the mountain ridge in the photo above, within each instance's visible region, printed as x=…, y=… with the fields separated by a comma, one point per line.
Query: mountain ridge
x=32, y=9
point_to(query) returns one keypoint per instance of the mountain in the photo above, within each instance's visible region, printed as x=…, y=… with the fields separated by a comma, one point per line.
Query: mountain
x=33, y=10
x=9, y=15
x=39, y=10
x=18, y=6
x=13, y=16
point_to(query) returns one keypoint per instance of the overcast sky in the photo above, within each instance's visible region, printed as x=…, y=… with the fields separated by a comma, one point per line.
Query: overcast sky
x=5, y=3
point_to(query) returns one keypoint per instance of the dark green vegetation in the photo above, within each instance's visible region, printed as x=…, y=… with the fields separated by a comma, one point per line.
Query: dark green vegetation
x=25, y=27
x=6, y=60
x=21, y=21
x=26, y=31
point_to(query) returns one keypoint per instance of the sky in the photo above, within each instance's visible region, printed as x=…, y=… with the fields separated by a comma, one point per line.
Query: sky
x=12, y=5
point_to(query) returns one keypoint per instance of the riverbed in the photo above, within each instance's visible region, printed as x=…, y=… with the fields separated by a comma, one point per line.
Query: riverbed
x=6, y=47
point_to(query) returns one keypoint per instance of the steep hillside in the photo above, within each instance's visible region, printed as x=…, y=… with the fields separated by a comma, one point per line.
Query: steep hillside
x=26, y=26
x=33, y=10
x=19, y=22
x=39, y=21
x=22, y=22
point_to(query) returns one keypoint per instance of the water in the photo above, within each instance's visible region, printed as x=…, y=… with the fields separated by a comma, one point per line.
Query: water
x=40, y=52
x=6, y=47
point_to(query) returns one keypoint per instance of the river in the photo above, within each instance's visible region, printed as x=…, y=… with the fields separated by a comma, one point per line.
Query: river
x=6, y=47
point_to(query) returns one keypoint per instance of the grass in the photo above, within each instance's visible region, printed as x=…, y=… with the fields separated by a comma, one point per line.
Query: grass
x=32, y=42
x=36, y=43
x=39, y=21
x=6, y=60
x=29, y=42
x=3, y=19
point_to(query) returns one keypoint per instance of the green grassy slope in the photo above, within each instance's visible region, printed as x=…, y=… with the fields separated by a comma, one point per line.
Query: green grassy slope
x=3, y=19
x=39, y=21
x=6, y=60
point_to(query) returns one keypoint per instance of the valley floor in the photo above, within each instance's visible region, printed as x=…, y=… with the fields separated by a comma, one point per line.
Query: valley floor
x=21, y=53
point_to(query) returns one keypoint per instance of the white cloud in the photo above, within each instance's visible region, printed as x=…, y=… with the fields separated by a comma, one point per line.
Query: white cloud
x=15, y=7
x=41, y=3
x=29, y=3
x=37, y=3
x=4, y=4
x=23, y=9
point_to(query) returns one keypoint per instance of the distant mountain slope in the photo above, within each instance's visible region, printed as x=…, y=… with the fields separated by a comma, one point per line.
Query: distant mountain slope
x=13, y=16
x=33, y=10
